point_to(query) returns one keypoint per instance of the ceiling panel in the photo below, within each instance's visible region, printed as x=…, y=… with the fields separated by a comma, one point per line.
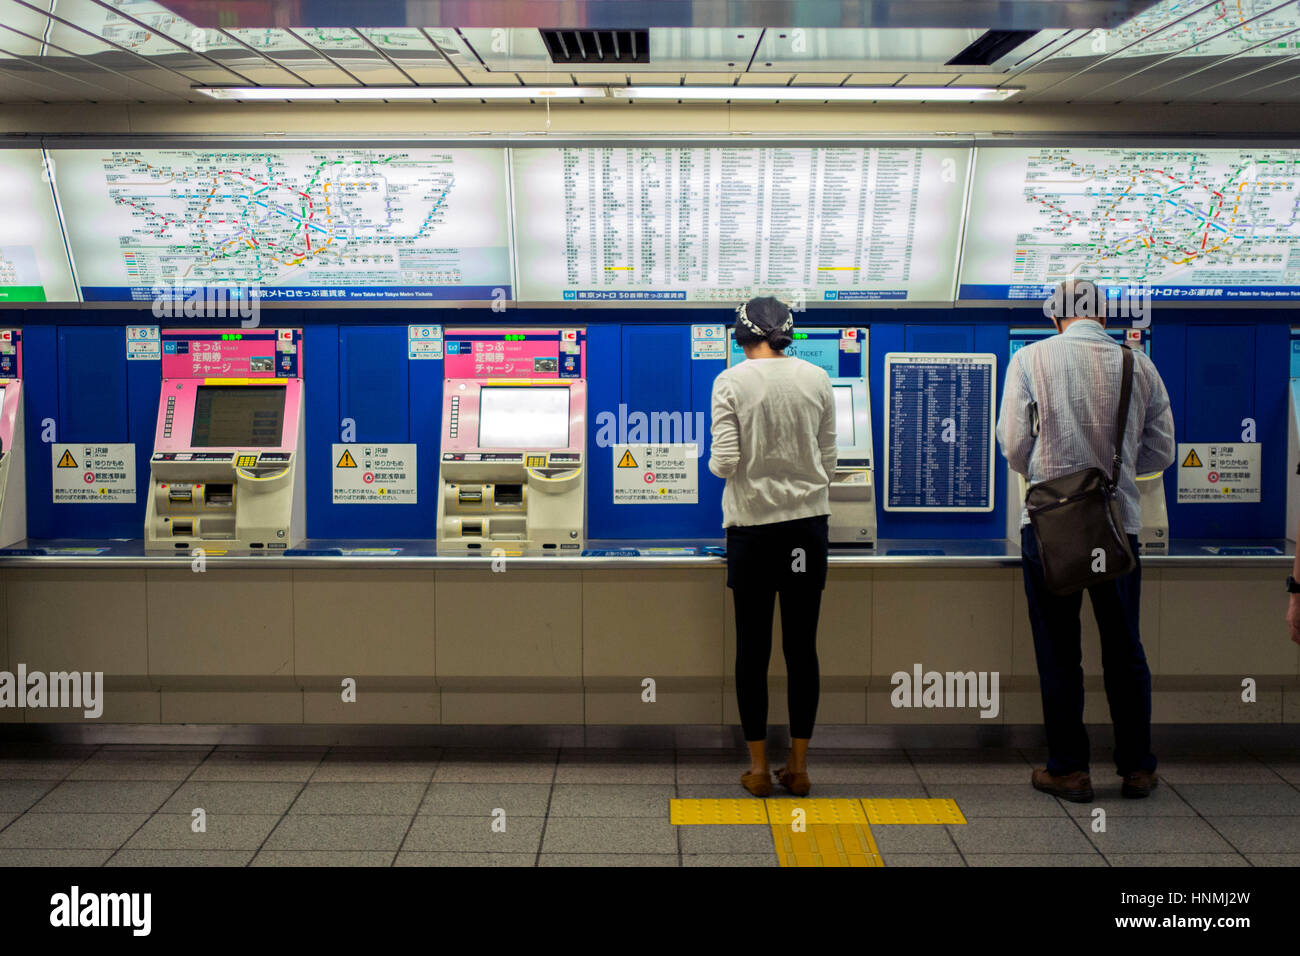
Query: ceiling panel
x=413, y=53
x=98, y=73
x=1279, y=82
x=292, y=54
x=30, y=22
x=1175, y=51
x=805, y=50
x=820, y=79
x=24, y=82
x=350, y=51
x=697, y=49
x=620, y=14
x=874, y=79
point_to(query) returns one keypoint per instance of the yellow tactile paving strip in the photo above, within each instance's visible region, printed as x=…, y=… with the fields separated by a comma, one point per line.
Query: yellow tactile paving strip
x=787, y=811
x=818, y=831
x=697, y=812
x=912, y=811
x=826, y=844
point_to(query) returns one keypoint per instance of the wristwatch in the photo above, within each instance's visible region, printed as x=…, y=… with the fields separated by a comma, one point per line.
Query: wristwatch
x=1292, y=585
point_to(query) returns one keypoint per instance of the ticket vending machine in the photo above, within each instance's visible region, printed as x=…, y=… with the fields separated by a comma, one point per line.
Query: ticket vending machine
x=1154, y=536
x=13, y=463
x=843, y=354
x=514, y=432
x=227, y=472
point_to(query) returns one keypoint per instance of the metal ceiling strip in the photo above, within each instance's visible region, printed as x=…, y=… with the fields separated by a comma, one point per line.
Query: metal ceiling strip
x=391, y=62
x=1269, y=65
x=18, y=78
x=1183, y=77
x=120, y=49
x=271, y=61
x=326, y=57
x=1285, y=79
x=443, y=54
x=1171, y=56
x=241, y=79
x=1107, y=56
x=98, y=67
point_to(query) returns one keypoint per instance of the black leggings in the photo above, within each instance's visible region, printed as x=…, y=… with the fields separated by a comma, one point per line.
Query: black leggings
x=786, y=558
x=799, y=611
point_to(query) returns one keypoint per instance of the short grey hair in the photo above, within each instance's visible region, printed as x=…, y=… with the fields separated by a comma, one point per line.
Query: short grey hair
x=1078, y=298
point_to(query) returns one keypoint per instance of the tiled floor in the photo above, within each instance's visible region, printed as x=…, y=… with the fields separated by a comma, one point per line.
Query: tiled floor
x=139, y=805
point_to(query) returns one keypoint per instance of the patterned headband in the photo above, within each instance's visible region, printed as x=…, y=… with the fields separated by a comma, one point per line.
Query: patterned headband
x=743, y=318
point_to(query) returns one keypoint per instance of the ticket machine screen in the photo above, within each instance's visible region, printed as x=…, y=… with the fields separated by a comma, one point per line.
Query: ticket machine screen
x=238, y=416
x=843, y=415
x=534, y=417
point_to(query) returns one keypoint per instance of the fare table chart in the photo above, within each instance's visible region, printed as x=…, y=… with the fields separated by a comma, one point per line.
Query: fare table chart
x=939, y=420
x=697, y=224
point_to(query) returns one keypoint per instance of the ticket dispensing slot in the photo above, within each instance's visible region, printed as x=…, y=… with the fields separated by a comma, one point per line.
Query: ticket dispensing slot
x=13, y=464
x=513, y=440
x=1154, y=536
x=843, y=354
x=226, y=468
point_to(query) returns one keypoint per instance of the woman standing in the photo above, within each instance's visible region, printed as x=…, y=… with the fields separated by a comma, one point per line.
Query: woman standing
x=774, y=443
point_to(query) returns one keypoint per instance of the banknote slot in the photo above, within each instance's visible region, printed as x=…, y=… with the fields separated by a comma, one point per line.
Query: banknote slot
x=219, y=495
x=508, y=496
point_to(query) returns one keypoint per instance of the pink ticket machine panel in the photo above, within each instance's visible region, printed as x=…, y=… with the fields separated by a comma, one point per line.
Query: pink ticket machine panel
x=514, y=426
x=13, y=465
x=227, y=472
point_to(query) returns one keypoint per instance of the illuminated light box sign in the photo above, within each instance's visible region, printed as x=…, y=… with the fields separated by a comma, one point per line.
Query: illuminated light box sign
x=706, y=224
x=300, y=225
x=33, y=261
x=939, y=441
x=257, y=353
x=1205, y=225
x=838, y=352
x=522, y=355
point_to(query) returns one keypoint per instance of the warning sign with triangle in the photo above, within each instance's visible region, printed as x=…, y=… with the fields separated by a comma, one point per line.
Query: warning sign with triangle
x=1191, y=461
x=346, y=461
x=627, y=461
x=67, y=460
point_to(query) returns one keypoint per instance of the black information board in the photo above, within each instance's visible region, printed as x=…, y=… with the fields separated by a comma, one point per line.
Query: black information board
x=939, y=421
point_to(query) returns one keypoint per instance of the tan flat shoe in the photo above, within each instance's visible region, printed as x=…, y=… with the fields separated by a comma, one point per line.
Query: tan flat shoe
x=796, y=783
x=756, y=783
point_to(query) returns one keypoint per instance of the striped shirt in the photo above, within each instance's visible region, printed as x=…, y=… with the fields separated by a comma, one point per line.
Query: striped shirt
x=1075, y=379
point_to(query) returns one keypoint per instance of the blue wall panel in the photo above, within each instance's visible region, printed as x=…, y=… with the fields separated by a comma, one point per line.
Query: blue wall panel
x=986, y=334
x=1220, y=367
x=362, y=372
x=78, y=377
x=374, y=387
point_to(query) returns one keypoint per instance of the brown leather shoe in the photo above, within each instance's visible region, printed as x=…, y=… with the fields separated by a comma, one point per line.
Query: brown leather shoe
x=1075, y=787
x=796, y=783
x=1139, y=784
x=759, y=784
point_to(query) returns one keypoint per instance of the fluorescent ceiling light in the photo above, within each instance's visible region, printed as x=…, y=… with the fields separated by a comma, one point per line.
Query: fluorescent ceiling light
x=401, y=92
x=842, y=94
x=715, y=94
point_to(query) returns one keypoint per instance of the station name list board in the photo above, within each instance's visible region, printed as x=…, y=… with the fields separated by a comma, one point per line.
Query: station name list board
x=717, y=224
x=939, y=419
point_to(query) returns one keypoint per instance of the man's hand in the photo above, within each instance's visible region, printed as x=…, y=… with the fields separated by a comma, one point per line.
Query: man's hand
x=1293, y=617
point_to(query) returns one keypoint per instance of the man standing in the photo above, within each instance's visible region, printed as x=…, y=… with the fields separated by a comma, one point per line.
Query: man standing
x=1059, y=408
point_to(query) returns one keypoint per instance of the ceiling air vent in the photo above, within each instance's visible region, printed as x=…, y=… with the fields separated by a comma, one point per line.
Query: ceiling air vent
x=597, y=46
x=991, y=47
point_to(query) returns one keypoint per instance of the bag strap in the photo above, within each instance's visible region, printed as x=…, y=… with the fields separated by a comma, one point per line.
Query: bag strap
x=1125, y=393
